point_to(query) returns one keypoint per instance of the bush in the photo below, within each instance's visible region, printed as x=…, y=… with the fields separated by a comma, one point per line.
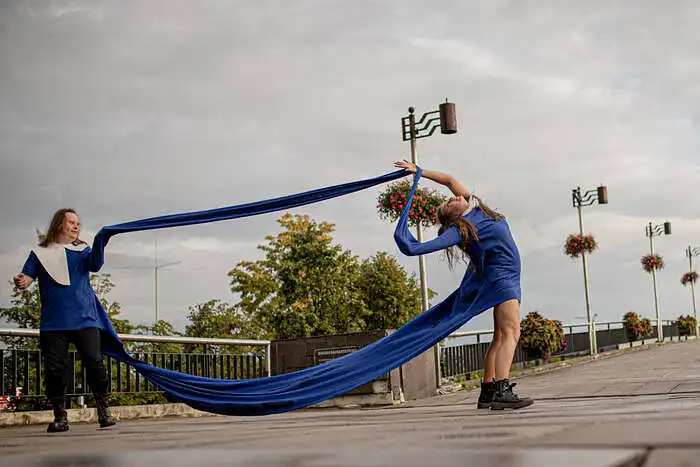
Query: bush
x=686, y=325
x=636, y=328
x=541, y=337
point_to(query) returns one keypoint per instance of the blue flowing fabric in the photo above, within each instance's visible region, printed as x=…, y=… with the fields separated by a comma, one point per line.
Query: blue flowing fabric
x=286, y=392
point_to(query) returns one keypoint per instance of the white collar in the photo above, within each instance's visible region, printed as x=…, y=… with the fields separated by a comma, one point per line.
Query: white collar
x=53, y=259
x=473, y=204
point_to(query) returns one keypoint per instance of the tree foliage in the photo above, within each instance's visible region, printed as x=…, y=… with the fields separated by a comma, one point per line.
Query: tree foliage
x=308, y=286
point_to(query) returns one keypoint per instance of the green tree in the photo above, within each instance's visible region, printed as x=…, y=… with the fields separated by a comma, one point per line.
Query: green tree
x=391, y=296
x=217, y=319
x=306, y=285
x=161, y=328
x=24, y=311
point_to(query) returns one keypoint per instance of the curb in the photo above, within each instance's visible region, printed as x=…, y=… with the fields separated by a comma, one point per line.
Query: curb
x=89, y=415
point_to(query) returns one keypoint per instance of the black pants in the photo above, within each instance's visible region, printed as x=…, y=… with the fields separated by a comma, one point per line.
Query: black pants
x=54, y=347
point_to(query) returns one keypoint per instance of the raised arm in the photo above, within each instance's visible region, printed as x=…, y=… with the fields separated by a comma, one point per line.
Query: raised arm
x=95, y=257
x=454, y=185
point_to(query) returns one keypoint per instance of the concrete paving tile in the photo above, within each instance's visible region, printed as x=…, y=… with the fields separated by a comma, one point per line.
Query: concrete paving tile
x=673, y=458
x=406, y=457
x=693, y=386
x=674, y=432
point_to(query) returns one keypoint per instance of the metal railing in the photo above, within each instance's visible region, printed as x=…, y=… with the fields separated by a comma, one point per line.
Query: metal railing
x=464, y=359
x=24, y=369
x=598, y=326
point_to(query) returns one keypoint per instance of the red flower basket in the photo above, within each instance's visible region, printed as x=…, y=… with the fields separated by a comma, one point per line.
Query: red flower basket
x=689, y=277
x=652, y=262
x=576, y=244
x=390, y=203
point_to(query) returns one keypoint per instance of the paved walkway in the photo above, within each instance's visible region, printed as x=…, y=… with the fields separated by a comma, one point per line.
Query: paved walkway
x=641, y=408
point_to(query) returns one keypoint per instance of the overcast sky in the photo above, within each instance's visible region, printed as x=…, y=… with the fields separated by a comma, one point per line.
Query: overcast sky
x=125, y=110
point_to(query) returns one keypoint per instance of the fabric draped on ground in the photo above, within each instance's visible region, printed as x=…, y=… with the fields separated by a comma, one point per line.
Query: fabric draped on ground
x=286, y=392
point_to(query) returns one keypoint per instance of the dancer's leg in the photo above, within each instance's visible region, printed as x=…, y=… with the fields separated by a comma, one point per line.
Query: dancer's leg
x=507, y=319
x=54, y=349
x=487, y=384
x=507, y=322
x=491, y=353
x=88, y=344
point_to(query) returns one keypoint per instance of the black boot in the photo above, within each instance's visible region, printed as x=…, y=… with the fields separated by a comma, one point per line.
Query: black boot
x=488, y=389
x=505, y=398
x=104, y=418
x=60, y=418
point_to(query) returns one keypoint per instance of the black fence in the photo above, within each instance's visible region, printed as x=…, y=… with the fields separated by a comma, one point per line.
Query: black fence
x=465, y=359
x=23, y=369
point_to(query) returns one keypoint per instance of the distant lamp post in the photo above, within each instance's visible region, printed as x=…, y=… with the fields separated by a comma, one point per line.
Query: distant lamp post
x=444, y=118
x=651, y=232
x=580, y=200
x=690, y=252
x=156, y=267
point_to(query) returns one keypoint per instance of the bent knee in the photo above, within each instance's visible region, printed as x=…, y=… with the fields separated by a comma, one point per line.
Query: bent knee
x=510, y=333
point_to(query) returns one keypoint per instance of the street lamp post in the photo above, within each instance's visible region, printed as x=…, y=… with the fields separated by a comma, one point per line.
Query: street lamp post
x=444, y=118
x=690, y=252
x=579, y=200
x=651, y=232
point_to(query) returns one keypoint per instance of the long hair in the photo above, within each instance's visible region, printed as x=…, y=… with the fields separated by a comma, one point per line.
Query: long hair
x=466, y=229
x=51, y=235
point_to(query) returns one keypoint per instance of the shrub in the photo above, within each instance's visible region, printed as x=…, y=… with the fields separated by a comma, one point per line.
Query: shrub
x=541, y=337
x=636, y=328
x=686, y=325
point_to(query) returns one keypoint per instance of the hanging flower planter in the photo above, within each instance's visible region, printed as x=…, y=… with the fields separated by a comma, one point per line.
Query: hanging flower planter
x=689, y=277
x=652, y=262
x=576, y=244
x=391, y=202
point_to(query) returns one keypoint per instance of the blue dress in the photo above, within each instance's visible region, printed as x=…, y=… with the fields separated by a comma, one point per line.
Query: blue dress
x=68, y=301
x=493, y=275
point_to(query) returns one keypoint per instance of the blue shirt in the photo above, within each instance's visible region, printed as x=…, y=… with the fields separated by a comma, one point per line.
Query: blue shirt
x=65, y=308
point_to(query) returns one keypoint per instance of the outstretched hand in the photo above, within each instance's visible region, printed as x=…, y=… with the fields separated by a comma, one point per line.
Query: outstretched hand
x=22, y=281
x=404, y=164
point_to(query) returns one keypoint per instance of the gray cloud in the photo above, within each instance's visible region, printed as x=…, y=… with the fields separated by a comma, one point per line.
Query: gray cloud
x=128, y=110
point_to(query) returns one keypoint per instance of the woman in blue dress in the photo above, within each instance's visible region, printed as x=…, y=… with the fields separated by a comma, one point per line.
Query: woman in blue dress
x=62, y=264
x=470, y=230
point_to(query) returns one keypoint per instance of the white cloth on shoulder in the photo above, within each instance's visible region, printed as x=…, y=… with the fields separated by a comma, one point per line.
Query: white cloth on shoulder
x=53, y=259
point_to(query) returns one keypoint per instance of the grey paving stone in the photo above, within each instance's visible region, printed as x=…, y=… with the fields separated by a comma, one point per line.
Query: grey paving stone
x=673, y=458
x=672, y=432
x=407, y=457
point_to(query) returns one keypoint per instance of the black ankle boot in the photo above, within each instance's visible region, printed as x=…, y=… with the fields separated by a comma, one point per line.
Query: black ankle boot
x=104, y=418
x=488, y=389
x=60, y=419
x=505, y=398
